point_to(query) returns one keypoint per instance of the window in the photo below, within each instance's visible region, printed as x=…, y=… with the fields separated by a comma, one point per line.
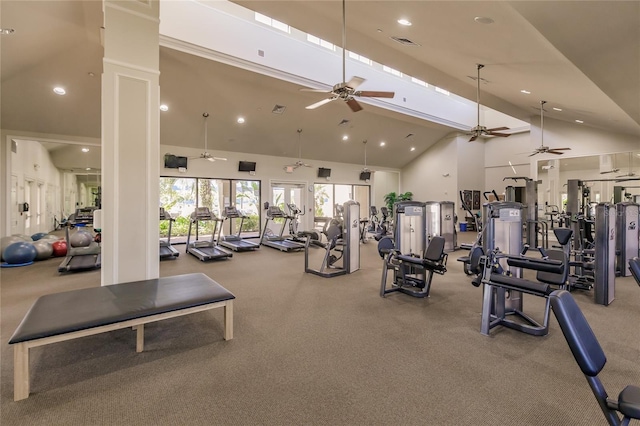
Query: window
x=327, y=196
x=444, y=92
x=360, y=58
x=391, y=71
x=420, y=82
x=320, y=42
x=272, y=22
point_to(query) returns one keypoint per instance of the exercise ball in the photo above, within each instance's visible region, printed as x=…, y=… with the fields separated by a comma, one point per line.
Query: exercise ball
x=59, y=248
x=44, y=249
x=80, y=239
x=7, y=241
x=19, y=253
x=38, y=236
x=50, y=237
x=23, y=237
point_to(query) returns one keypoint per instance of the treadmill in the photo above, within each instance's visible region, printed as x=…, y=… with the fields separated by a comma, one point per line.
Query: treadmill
x=80, y=258
x=235, y=242
x=206, y=250
x=167, y=251
x=278, y=241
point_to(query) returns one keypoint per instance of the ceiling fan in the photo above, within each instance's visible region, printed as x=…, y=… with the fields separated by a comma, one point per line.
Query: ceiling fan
x=480, y=131
x=346, y=90
x=545, y=149
x=630, y=173
x=206, y=155
x=289, y=168
x=366, y=169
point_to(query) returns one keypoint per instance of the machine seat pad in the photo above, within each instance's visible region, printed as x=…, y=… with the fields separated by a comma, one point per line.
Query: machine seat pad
x=551, y=266
x=70, y=311
x=520, y=284
x=424, y=263
x=629, y=402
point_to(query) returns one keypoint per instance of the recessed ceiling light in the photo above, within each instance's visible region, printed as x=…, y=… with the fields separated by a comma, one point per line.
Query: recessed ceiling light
x=557, y=109
x=59, y=91
x=579, y=121
x=164, y=108
x=240, y=120
x=526, y=92
x=413, y=148
x=6, y=31
x=382, y=143
x=345, y=138
x=85, y=149
x=483, y=20
x=404, y=22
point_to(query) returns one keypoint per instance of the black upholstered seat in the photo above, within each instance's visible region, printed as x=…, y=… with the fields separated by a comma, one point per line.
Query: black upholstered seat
x=591, y=359
x=634, y=267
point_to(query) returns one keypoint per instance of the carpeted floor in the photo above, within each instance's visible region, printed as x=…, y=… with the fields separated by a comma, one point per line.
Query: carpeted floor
x=309, y=350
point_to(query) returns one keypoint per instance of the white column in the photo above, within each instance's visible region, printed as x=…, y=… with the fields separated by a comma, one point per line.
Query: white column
x=130, y=141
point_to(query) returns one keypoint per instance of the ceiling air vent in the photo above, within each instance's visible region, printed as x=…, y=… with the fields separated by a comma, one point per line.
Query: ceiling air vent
x=343, y=122
x=404, y=41
x=278, y=109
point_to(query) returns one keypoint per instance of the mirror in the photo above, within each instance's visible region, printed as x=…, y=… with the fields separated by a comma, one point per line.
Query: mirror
x=611, y=177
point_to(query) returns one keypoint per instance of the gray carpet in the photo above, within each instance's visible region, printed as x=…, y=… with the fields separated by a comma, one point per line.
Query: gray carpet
x=309, y=350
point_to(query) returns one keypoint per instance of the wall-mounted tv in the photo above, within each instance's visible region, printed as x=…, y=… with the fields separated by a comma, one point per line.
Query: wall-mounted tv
x=324, y=173
x=365, y=175
x=174, y=162
x=247, y=166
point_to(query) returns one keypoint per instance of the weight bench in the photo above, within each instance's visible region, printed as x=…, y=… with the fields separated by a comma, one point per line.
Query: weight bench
x=69, y=315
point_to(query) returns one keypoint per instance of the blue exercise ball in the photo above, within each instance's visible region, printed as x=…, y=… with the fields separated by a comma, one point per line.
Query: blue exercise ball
x=7, y=241
x=20, y=252
x=44, y=249
x=38, y=236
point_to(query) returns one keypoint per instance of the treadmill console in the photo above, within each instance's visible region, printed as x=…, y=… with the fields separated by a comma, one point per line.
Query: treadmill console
x=201, y=213
x=231, y=211
x=275, y=211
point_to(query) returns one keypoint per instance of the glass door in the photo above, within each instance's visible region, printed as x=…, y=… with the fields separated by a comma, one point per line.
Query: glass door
x=246, y=196
x=284, y=194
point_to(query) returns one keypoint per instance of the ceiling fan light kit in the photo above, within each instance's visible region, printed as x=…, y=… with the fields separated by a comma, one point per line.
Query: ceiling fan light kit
x=206, y=155
x=289, y=168
x=542, y=149
x=346, y=90
x=482, y=131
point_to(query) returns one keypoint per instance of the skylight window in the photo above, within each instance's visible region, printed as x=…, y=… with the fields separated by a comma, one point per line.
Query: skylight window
x=444, y=92
x=272, y=23
x=391, y=71
x=360, y=58
x=320, y=42
x=420, y=82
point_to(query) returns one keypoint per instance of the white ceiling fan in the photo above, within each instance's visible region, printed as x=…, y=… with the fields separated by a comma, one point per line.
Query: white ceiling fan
x=481, y=131
x=289, y=168
x=545, y=149
x=346, y=90
x=206, y=155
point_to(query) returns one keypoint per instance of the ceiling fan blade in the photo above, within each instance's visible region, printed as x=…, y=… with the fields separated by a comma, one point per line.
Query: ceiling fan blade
x=209, y=159
x=320, y=103
x=219, y=158
x=497, y=128
x=535, y=153
x=553, y=151
x=355, y=82
x=561, y=149
x=354, y=105
x=610, y=171
x=315, y=90
x=473, y=138
x=374, y=94
x=502, y=135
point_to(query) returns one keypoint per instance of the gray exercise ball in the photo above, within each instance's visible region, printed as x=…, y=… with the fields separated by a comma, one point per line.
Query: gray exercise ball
x=44, y=249
x=24, y=237
x=80, y=239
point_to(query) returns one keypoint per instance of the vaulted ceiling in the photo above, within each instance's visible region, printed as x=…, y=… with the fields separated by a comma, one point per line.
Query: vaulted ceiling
x=582, y=57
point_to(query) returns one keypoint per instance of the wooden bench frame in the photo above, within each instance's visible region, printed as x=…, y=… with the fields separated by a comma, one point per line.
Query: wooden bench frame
x=21, y=380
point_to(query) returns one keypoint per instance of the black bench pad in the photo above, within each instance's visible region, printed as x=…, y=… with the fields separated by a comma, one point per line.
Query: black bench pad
x=521, y=284
x=70, y=311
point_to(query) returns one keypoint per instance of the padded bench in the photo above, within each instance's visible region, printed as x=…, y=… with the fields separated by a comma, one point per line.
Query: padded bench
x=69, y=315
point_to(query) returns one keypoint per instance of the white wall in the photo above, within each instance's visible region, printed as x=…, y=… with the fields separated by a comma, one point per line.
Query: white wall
x=31, y=162
x=270, y=169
